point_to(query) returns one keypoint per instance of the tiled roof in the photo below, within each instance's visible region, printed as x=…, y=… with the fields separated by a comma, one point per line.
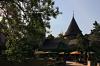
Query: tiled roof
x=53, y=44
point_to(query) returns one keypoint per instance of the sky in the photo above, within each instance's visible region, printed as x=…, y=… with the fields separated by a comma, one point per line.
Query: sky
x=85, y=13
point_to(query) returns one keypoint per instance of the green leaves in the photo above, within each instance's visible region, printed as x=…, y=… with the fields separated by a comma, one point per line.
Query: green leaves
x=25, y=23
x=95, y=40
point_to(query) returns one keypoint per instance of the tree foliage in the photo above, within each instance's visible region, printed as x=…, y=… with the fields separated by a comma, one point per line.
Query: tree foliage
x=61, y=36
x=24, y=24
x=50, y=37
x=95, y=40
x=95, y=33
x=83, y=44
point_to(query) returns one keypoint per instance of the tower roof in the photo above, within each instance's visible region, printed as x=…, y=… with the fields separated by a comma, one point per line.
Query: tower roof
x=73, y=29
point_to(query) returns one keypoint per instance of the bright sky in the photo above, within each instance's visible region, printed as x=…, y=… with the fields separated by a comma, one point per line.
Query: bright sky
x=85, y=12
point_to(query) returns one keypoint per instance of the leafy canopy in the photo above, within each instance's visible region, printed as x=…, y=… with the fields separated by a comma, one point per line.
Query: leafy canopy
x=24, y=24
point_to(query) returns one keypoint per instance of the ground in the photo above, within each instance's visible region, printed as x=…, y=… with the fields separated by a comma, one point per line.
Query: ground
x=69, y=63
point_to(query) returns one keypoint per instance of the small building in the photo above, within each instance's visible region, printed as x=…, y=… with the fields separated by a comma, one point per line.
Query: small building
x=71, y=35
x=54, y=45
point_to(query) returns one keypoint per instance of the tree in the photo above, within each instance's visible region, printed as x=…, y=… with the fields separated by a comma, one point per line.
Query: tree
x=50, y=37
x=95, y=33
x=24, y=24
x=83, y=43
x=61, y=36
x=95, y=40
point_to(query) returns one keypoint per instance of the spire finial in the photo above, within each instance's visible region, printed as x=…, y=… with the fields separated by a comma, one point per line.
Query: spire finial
x=73, y=13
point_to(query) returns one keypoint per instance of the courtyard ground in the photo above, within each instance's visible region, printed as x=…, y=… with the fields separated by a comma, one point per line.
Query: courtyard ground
x=70, y=63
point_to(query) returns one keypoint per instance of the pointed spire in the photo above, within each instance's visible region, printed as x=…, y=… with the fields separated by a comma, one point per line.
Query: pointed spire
x=73, y=29
x=73, y=13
